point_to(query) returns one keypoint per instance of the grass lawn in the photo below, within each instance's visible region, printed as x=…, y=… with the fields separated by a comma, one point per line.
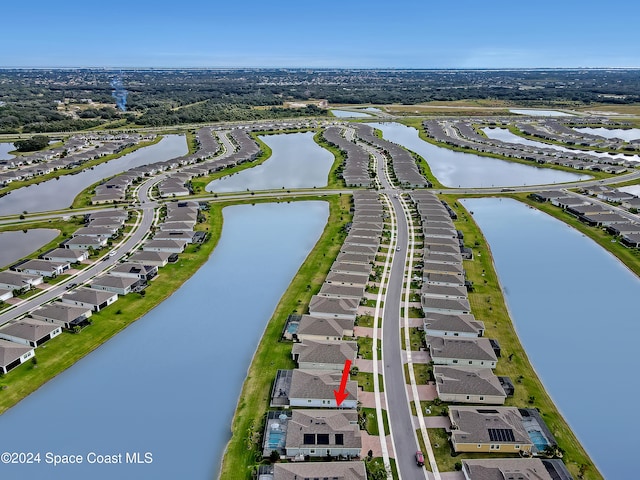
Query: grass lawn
x=415, y=337
x=365, y=347
x=365, y=321
x=365, y=380
x=243, y=450
x=487, y=304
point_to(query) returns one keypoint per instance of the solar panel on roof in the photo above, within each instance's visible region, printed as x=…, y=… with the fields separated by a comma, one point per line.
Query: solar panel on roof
x=501, y=435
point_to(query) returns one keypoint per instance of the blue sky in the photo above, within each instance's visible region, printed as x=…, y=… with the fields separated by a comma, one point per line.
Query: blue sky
x=329, y=33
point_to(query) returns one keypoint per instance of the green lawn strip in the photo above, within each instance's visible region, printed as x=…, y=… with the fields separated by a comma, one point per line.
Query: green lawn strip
x=422, y=373
x=365, y=380
x=376, y=471
x=436, y=408
x=338, y=163
x=625, y=184
x=444, y=453
x=423, y=448
x=67, y=171
x=417, y=124
x=243, y=450
x=364, y=321
x=365, y=348
x=63, y=351
x=487, y=304
x=415, y=337
x=415, y=312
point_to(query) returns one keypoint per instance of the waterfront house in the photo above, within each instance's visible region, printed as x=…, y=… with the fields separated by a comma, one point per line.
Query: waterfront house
x=18, y=281
x=323, y=354
x=468, y=385
x=314, y=388
x=43, y=268
x=174, y=235
x=119, y=285
x=169, y=246
x=352, y=279
x=134, y=270
x=473, y=352
x=29, y=331
x=496, y=430
x=63, y=255
x=514, y=468
x=96, y=300
x=13, y=354
x=332, y=307
x=452, y=306
x=320, y=433
x=357, y=268
x=319, y=328
x=99, y=232
x=82, y=242
x=444, y=291
x=443, y=279
x=341, y=291
x=159, y=259
x=59, y=313
x=446, y=268
x=443, y=324
x=331, y=470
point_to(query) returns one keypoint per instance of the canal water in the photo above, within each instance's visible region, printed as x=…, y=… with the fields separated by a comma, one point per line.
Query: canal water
x=296, y=162
x=169, y=384
x=60, y=193
x=506, y=136
x=5, y=148
x=574, y=306
x=348, y=114
x=625, y=134
x=458, y=169
x=17, y=244
x=541, y=113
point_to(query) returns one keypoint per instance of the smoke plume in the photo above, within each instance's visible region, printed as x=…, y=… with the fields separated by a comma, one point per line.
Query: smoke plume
x=119, y=93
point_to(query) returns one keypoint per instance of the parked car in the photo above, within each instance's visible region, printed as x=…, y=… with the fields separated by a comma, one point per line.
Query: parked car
x=419, y=458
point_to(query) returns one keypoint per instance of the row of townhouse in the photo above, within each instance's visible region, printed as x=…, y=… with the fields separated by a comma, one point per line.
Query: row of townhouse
x=323, y=345
x=463, y=134
x=464, y=360
x=356, y=168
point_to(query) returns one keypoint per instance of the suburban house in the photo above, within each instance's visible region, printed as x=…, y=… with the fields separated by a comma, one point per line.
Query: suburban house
x=13, y=354
x=176, y=226
x=341, y=291
x=118, y=215
x=100, y=232
x=359, y=249
x=318, y=328
x=443, y=279
x=347, y=278
x=62, y=314
x=443, y=324
x=332, y=470
x=444, y=291
x=319, y=433
x=44, y=268
x=314, y=388
x=323, y=354
x=351, y=267
x=364, y=258
x=491, y=430
x=96, y=300
x=451, y=306
x=174, y=235
x=516, y=468
x=119, y=285
x=18, y=281
x=468, y=385
x=5, y=294
x=29, y=332
x=65, y=255
x=331, y=307
x=84, y=243
x=437, y=267
x=159, y=259
x=134, y=270
x=169, y=246
x=473, y=352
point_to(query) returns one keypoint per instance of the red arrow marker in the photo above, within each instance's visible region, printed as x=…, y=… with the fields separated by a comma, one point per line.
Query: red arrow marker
x=341, y=395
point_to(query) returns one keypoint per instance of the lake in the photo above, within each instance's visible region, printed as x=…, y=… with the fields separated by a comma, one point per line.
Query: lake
x=506, y=136
x=348, y=114
x=574, y=306
x=458, y=169
x=296, y=162
x=541, y=113
x=17, y=244
x=625, y=134
x=5, y=148
x=169, y=384
x=59, y=193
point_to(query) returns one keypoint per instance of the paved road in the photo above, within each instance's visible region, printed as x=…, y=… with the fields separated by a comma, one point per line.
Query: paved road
x=398, y=410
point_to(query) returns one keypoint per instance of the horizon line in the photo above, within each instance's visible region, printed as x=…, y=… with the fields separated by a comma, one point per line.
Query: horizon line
x=110, y=68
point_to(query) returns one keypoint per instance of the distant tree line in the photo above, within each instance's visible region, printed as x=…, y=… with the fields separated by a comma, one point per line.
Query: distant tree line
x=30, y=99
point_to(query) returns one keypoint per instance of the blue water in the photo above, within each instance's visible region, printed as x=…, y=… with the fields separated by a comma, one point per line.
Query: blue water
x=169, y=383
x=5, y=148
x=17, y=244
x=348, y=114
x=538, y=439
x=296, y=162
x=458, y=169
x=541, y=113
x=575, y=308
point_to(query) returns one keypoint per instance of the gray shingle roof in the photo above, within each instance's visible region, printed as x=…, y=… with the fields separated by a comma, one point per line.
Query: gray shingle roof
x=324, y=421
x=466, y=380
x=462, y=348
x=319, y=384
x=332, y=470
x=10, y=351
x=474, y=424
x=28, y=328
x=324, y=351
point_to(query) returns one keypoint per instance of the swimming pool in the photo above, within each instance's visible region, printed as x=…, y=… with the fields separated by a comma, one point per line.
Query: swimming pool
x=538, y=439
